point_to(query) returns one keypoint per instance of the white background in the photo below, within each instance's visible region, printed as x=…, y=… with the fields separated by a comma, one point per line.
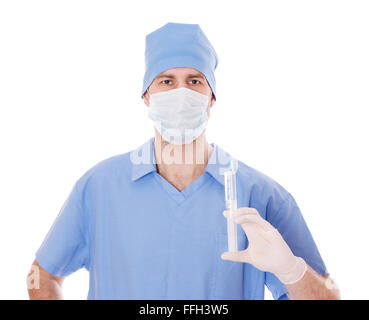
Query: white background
x=292, y=102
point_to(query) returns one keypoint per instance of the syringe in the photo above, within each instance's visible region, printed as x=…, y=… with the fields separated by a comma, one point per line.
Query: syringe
x=231, y=205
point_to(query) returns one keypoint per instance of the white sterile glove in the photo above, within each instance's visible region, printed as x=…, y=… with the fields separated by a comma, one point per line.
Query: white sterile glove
x=267, y=249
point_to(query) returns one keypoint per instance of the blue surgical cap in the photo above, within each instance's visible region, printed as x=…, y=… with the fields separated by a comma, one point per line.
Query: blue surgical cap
x=179, y=45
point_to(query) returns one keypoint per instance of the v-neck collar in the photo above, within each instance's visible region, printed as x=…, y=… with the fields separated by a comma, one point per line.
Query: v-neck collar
x=180, y=196
x=143, y=163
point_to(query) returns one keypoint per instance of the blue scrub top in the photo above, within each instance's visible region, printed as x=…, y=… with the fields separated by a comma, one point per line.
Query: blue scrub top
x=141, y=238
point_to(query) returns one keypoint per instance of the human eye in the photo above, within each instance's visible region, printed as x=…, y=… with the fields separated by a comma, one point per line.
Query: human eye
x=164, y=81
x=198, y=82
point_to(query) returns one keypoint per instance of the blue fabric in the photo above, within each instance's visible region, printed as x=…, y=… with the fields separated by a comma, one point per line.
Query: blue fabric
x=179, y=45
x=140, y=238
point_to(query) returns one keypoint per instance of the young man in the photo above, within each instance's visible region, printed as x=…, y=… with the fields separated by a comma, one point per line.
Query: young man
x=150, y=223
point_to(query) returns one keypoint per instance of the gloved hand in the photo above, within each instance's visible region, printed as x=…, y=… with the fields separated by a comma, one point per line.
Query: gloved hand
x=267, y=249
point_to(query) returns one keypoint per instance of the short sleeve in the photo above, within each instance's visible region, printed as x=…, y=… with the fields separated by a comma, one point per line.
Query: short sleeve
x=291, y=225
x=283, y=297
x=65, y=249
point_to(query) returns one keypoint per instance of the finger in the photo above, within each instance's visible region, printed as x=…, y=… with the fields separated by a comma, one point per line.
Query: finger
x=232, y=256
x=248, y=211
x=225, y=213
x=250, y=226
x=248, y=218
x=242, y=211
x=237, y=256
x=248, y=215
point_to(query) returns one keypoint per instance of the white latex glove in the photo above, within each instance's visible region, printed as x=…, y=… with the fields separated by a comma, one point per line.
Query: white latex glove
x=267, y=249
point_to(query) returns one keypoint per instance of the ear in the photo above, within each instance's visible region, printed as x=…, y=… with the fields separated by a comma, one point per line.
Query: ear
x=146, y=99
x=212, y=100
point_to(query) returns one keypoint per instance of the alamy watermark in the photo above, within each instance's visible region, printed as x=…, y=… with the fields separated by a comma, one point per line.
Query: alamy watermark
x=33, y=278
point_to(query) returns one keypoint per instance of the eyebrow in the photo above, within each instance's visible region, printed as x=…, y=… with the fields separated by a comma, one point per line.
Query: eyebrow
x=171, y=76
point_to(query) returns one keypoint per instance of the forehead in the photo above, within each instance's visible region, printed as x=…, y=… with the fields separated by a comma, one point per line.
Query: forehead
x=180, y=72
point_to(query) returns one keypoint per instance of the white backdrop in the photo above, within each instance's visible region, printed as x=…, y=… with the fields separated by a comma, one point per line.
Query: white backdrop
x=292, y=102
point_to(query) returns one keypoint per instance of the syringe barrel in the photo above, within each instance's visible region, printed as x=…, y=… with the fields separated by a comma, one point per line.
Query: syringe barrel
x=230, y=186
x=231, y=205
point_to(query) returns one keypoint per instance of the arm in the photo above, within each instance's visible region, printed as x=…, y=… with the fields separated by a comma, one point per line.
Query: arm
x=268, y=252
x=63, y=251
x=313, y=286
x=42, y=285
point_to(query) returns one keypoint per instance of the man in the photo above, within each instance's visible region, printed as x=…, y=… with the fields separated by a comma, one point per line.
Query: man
x=150, y=223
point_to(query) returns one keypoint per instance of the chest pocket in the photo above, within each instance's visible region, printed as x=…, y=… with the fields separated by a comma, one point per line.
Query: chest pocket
x=228, y=275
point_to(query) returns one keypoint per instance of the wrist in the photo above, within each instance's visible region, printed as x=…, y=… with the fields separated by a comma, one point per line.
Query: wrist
x=295, y=274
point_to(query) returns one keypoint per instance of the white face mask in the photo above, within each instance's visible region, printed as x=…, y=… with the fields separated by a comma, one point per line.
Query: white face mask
x=179, y=114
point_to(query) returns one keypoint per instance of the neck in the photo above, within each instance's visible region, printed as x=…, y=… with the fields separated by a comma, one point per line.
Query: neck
x=181, y=164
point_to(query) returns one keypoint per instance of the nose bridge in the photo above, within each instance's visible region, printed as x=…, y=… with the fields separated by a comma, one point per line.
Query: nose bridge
x=181, y=83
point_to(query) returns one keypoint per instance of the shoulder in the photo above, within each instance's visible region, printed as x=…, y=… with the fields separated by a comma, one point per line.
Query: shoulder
x=262, y=187
x=108, y=170
x=272, y=200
